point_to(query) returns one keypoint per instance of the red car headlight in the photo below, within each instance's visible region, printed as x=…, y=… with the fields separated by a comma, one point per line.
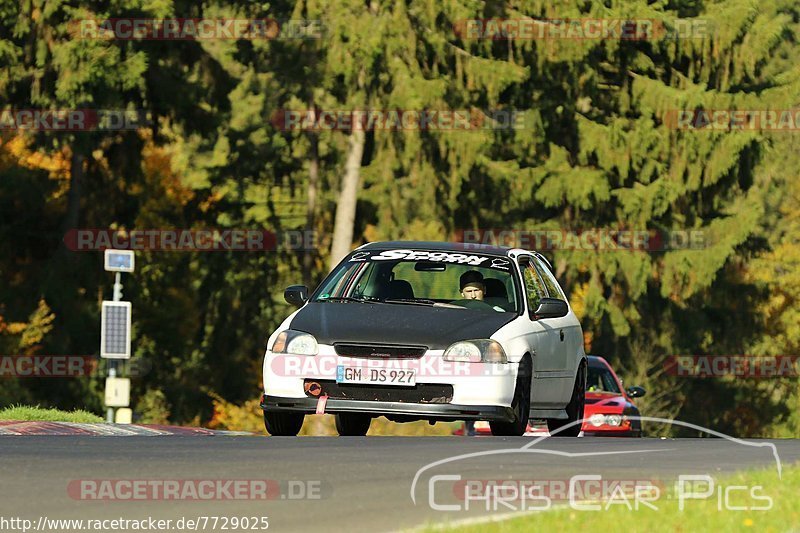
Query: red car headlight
x=597, y=420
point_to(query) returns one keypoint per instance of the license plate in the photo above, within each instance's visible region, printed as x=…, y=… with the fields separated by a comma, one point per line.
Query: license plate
x=375, y=376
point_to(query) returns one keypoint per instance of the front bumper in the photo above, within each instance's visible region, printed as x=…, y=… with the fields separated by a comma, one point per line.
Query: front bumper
x=431, y=411
x=474, y=385
x=595, y=432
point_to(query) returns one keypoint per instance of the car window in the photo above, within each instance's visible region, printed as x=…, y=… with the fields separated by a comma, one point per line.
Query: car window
x=343, y=280
x=599, y=379
x=429, y=276
x=553, y=288
x=534, y=287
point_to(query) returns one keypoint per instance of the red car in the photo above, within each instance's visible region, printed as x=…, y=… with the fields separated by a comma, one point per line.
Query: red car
x=608, y=404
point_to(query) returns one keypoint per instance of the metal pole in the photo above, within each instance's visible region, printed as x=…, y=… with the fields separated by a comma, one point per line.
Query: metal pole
x=112, y=363
x=118, y=287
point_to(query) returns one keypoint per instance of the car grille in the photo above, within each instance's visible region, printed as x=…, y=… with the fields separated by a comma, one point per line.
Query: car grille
x=380, y=351
x=419, y=393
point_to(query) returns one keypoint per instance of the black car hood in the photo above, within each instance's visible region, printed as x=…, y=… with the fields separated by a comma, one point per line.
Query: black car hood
x=380, y=323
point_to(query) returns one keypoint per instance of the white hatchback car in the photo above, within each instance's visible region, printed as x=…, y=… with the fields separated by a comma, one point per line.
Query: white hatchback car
x=431, y=331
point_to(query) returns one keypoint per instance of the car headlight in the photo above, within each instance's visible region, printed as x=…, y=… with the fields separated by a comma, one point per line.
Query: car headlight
x=476, y=351
x=295, y=343
x=597, y=419
x=613, y=420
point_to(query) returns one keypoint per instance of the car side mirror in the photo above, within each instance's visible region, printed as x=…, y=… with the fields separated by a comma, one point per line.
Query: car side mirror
x=296, y=295
x=551, y=308
x=636, y=392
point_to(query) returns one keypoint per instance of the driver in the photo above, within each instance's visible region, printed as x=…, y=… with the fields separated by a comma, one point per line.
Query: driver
x=472, y=285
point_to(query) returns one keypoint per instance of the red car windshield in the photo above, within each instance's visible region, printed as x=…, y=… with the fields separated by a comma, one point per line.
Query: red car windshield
x=600, y=379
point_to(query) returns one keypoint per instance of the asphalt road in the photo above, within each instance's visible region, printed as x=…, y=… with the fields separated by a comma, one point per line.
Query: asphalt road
x=356, y=484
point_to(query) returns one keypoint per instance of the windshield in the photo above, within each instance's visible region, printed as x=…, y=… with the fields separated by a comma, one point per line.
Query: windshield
x=600, y=379
x=418, y=277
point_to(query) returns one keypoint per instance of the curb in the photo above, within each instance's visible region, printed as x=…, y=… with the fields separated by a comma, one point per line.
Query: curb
x=22, y=428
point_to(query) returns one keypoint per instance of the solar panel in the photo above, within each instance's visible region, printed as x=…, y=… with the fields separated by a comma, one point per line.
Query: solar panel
x=115, y=330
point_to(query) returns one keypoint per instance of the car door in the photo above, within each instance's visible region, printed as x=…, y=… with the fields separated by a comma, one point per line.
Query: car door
x=541, y=337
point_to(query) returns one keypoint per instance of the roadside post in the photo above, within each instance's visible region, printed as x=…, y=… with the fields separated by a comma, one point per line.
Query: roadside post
x=115, y=332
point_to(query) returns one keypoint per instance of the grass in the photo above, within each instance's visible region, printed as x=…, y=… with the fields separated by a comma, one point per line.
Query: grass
x=38, y=414
x=324, y=425
x=698, y=515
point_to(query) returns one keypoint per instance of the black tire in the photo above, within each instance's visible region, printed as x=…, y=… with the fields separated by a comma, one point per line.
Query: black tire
x=574, y=409
x=521, y=404
x=352, y=425
x=283, y=424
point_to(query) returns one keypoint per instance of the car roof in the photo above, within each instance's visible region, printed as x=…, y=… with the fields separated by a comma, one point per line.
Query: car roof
x=438, y=245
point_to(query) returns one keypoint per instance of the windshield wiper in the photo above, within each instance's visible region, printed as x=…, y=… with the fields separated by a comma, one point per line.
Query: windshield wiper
x=372, y=299
x=361, y=299
x=410, y=301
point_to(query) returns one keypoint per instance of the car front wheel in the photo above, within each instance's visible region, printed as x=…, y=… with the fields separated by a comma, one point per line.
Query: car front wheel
x=574, y=409
x=283, y=424
x=521, y=404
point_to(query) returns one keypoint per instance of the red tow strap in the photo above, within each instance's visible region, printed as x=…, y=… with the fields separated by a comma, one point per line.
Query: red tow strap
x=323, y=400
